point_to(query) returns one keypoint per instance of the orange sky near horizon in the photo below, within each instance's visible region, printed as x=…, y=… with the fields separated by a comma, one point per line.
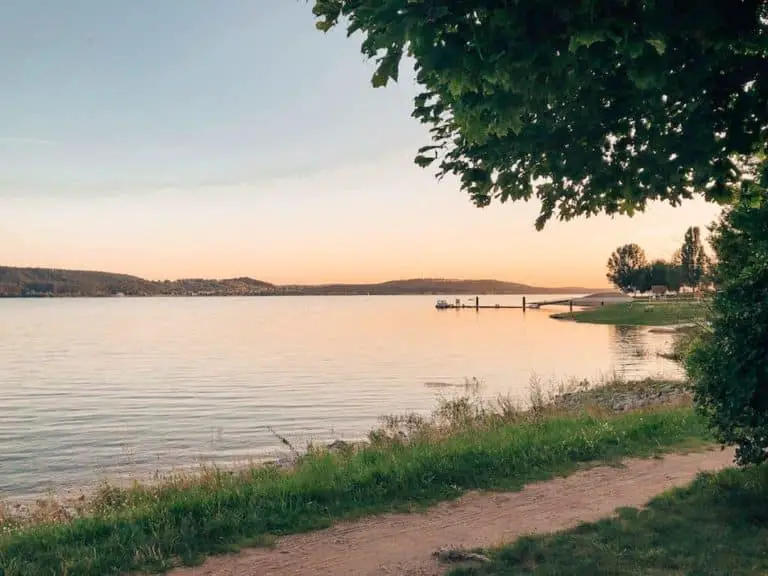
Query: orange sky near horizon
x=368, y=222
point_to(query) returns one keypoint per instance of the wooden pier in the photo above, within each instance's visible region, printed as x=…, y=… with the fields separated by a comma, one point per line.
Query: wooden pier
x=458, y=305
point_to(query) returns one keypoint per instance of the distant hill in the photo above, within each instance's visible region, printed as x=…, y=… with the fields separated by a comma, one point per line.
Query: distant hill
x=433, y=286
x=55, y=282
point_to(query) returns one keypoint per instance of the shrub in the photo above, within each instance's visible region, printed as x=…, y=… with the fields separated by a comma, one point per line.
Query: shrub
x=729, y=364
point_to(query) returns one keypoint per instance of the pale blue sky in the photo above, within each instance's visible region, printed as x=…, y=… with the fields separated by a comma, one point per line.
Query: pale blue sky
x=182, y=92
x=188, y=137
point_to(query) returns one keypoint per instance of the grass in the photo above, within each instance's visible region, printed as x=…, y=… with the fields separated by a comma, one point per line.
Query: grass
x=716, y=525
x=410, y=463
x=640, y=314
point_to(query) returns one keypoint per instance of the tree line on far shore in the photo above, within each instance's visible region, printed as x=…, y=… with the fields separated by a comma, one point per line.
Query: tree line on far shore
x=630, y=271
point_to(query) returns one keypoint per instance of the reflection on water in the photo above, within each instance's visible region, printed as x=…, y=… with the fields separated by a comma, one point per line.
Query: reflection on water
x=635, y=351
x=95, y=387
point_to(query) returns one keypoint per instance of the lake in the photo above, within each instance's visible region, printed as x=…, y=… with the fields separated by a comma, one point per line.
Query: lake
x=104, y=388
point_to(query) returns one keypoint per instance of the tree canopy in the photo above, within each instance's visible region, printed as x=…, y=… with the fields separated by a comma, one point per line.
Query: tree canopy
x=729, y=365
x=663, y=273
x=625, y=266
x=693, y=258
x=587, y=105
x=629, y=270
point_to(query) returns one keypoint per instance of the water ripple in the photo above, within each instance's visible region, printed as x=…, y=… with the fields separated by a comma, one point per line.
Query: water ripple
x=108, y=388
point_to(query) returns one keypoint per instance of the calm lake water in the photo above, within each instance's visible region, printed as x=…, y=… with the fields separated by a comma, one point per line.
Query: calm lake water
x=95, y=388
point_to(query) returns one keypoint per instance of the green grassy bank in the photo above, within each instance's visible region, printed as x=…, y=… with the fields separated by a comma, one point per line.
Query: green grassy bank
x=640, y=313
x=154, y=528
x=717, y=525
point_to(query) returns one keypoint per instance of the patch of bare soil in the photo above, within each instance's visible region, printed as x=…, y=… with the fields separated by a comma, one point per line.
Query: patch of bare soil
x=405, y=544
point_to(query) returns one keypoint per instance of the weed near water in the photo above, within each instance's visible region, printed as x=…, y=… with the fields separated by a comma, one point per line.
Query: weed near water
x=157, y=527
x=716, y=525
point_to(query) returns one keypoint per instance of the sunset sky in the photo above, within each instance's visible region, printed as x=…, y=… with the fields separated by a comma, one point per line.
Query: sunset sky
x=191, y=138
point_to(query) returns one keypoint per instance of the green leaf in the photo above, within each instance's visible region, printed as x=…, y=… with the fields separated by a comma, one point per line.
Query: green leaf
x=585, y=38
x=516, y=123
x=658, y=44
x=388, y=69
x=424, y=161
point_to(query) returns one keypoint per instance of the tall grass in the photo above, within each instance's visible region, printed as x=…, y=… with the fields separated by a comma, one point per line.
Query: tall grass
x=410, y=462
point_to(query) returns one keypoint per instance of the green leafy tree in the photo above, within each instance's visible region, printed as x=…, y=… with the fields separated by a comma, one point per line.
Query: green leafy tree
x=588, y=106
x=693, y=259
x=663, y=273
x=624, y=265
x=729, y=364
x=674, y=277
x=642, y=280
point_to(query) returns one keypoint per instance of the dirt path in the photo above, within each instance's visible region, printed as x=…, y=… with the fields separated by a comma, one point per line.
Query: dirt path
x=402, y=544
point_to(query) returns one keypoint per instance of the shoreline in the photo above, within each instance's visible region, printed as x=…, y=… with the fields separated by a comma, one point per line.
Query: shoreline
x=409, y=461
x=662, y=313
x=156, y=530
x=616, y=395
